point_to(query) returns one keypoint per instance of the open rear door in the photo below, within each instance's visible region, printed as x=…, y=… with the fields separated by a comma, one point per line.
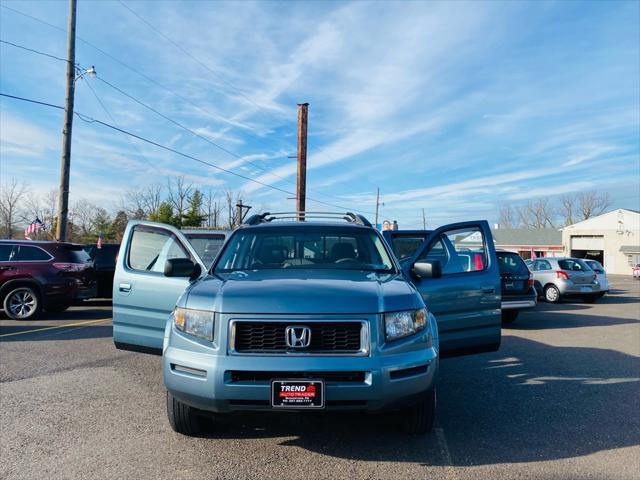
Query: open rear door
x=466, y=298
x=143, y=297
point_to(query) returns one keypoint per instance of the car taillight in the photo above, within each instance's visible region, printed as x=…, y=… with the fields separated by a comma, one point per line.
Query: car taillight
x=530, y=281
x=70, y=267
x=562, y=274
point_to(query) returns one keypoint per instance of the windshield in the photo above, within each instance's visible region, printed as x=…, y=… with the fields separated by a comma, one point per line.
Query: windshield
x=339, y=248
x=207, y=245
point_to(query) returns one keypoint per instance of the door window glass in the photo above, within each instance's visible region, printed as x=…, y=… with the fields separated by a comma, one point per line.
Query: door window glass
x=150, y=248
x=31, y=254
x=405, y=247
x=458, y=251
x=543, y=265
x=5, y=252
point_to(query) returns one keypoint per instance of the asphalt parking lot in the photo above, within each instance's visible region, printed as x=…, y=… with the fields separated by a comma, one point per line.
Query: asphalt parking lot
x=561, y=399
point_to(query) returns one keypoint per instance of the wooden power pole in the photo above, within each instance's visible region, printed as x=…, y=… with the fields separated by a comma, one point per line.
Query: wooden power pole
x=301, y=183
x=375, y=223
x=65, y=161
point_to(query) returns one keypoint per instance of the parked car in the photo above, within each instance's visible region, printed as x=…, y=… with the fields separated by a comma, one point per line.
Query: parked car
x=600, y=274
x=635, y=270
x=304, y=316
x=37, y=275
x=104, y=262
x=556, y=278
x=518, y=292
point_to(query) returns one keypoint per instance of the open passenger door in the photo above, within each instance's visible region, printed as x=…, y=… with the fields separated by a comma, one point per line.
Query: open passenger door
x=456, y=272
x=143, y=296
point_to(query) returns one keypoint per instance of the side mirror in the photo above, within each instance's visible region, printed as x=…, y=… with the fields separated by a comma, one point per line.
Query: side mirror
x=431, y=269
x=181, y=267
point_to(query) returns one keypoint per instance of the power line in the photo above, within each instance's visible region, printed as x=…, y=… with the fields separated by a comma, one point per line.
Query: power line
x=142, y=75
x=155, y=82
x=192, y=57
x=32, y=50
x=89, y=119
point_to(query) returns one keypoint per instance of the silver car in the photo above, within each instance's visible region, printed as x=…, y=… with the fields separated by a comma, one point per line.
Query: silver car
x=555, y=278
x=601, y=275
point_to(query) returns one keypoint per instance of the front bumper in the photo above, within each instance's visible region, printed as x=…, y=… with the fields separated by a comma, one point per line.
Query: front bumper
x=205, y=380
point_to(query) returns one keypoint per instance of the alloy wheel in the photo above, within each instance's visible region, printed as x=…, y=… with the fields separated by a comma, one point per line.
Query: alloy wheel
x=23, y=303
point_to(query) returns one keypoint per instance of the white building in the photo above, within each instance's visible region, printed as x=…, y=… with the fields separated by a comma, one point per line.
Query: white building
x=612, y=238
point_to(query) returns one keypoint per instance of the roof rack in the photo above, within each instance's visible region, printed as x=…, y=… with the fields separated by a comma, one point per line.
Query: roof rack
x=302, y=216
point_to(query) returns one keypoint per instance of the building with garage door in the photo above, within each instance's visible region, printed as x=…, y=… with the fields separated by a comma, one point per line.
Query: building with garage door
x=612, y=238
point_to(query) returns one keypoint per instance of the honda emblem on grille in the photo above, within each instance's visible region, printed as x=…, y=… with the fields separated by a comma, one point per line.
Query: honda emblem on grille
x=297, y=336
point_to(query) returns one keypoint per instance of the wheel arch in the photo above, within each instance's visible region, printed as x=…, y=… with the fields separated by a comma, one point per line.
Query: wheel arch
x=20, y=282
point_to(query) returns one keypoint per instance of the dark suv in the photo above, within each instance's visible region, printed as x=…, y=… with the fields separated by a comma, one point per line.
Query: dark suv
x=37, y=275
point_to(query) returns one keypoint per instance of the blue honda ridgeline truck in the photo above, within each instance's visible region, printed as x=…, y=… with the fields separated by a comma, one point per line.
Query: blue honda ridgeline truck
x=305, y=315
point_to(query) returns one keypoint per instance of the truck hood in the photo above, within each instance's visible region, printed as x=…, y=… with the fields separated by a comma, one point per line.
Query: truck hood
x=303, y=292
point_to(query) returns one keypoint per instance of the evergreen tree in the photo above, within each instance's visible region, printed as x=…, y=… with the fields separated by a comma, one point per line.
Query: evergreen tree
x=194, y=216
x=164, y=215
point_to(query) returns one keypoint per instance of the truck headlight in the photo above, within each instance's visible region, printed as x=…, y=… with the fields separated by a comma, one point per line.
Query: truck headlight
x=198, y=323
x=402, y=324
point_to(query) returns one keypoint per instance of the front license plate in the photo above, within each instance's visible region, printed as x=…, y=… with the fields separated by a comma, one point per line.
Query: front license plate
x=585, y=289
x=297, y=394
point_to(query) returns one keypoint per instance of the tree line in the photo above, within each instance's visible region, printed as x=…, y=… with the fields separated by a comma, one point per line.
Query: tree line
x=177, y=203
x=554, y=212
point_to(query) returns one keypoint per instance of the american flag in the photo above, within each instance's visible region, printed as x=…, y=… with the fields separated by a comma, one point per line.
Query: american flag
x=99, y=242
x=33, y=227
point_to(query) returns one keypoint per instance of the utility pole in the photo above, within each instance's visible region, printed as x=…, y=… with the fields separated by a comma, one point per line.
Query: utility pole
x=375, y=223
x=65, y=161
x=301, y=183
x=240, y=213
x=424, y=220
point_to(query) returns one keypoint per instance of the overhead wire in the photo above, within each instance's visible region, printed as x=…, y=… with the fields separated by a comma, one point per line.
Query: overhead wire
x=88, y=119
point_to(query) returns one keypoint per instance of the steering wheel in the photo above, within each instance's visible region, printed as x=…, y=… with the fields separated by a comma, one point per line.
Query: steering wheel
x=346, y=260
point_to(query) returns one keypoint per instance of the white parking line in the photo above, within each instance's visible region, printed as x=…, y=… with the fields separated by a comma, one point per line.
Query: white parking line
x=444, y=451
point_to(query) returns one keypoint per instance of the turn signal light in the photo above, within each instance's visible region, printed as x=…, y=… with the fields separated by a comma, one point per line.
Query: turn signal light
x=530, y=281
x=562, y=274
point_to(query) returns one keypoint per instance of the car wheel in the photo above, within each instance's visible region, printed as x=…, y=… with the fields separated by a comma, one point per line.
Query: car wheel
x=552, y=294
x=182, y=418
x=509, y=316
x=57, y=308
x=22, y=303
x=418, y=419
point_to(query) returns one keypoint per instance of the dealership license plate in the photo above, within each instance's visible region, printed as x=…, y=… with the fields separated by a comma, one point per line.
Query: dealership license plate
x=297, y=394
x=585, y=289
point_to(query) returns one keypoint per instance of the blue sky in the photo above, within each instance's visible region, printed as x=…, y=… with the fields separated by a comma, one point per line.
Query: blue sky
x=454, y=107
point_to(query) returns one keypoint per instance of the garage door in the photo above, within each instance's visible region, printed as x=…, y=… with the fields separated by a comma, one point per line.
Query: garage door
x=587, y=242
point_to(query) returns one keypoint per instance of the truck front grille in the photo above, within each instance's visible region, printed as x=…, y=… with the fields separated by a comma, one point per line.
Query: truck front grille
x=250, y=376
x=268, y=337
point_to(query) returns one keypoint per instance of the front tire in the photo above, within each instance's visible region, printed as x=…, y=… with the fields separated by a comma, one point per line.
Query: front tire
x=183, y=418
x=418, y=419
x=551, y=294
x=509, y=316
x=22, y=303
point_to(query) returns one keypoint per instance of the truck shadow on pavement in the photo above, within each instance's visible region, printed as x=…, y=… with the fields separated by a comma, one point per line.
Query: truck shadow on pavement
x=528, y=402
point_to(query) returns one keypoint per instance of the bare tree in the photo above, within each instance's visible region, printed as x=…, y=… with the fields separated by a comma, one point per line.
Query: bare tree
x=232, y=198
x=10, y=195
x=179, y=195
x=537, y=214
x=145, y=202
x=507, y=217
x=592, y=203
x=568, y=208
x=83, y=216
x=213, y=209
